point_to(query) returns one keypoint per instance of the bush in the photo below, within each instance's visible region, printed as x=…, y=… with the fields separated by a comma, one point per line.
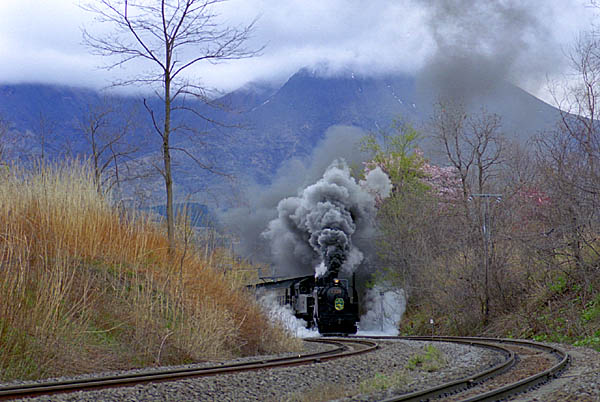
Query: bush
x=431, y=360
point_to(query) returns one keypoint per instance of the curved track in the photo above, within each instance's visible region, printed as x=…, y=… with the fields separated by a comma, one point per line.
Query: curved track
x=523, y=368
x=344, y=348
x=525, y=365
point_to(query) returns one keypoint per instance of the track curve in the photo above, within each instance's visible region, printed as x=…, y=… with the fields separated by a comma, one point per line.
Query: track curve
x=344, y=347
x=475, y=385
x=490, y=384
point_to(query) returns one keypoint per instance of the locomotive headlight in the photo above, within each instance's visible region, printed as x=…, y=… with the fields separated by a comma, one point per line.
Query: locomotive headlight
x=336, y=281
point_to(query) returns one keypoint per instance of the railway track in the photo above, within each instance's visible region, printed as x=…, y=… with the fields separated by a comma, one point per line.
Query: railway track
x=343, y=348
x=527, y=365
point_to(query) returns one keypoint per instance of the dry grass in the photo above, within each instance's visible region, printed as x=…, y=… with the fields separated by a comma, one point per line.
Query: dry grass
x=330, y=391
x=320, y=392
x=86, y=287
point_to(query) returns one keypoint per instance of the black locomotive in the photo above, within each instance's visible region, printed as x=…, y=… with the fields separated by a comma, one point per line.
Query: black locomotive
x=329, y=303
x=336, y=305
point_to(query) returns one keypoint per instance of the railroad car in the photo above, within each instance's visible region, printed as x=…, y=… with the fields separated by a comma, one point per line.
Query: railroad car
x=328, y=303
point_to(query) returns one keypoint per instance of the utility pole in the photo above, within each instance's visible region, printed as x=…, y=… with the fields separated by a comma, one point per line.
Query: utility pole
x=486, y=230
x=381, y=296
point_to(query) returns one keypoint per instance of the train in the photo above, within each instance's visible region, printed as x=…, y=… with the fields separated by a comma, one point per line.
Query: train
x=328, y=303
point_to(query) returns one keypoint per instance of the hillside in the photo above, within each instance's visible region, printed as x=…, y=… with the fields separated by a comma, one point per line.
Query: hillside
x=274, y=123
x=88, y=287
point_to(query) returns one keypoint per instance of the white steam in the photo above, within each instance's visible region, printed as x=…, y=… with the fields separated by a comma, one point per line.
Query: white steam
x=317, y=226
x=384, y=311
x=320, y=269
x=285, y=316
x=377, y=183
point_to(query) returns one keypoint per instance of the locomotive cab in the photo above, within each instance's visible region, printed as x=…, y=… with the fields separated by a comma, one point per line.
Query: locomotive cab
x=336, y=307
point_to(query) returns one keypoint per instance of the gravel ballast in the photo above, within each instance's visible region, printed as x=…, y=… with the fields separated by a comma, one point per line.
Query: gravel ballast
x=341, y=379
x=579, y=383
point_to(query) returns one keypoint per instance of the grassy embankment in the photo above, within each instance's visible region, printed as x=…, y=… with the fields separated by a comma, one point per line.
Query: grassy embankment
x=86, y=287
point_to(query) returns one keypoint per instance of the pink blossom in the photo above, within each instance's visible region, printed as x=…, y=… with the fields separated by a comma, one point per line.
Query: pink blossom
x=444, y=182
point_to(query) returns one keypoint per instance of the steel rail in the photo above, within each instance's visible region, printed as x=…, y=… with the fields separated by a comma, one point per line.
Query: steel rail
x=514, y=388
x=130, y=379
x=530, y=382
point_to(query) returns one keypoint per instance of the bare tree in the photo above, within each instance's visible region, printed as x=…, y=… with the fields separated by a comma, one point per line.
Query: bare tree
x=578, y=104
x=171, y=36
x=474, y=146
x=45, y=134
x=106, y=128
x=569, y=162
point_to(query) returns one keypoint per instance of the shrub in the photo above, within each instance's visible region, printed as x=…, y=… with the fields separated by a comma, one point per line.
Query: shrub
x=431, y=360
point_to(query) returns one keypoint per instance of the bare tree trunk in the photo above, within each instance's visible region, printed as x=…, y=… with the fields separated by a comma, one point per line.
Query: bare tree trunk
x=95, y=159
x=143, y=31
x=167, y=160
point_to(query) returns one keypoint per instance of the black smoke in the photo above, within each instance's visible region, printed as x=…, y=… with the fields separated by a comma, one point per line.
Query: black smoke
x=250, y=219
x=316, y=228
x=482, y=44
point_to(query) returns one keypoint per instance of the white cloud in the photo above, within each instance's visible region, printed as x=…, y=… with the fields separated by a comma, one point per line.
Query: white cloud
x=40, y=40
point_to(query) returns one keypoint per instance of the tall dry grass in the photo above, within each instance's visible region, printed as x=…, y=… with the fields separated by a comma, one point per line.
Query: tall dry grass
x=84, y=286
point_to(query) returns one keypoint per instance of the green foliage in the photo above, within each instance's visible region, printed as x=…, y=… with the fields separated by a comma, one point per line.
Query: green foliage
x=591, y=312
x=569, y=320
x=559, y=285
x=384, y=275
x=20, y=341
x=402, y=143
x=590, y=341
x=395, y=153
x=553, y=337
x=431, y=360
x=401, y=217
x=108, y=337
x=382, y=382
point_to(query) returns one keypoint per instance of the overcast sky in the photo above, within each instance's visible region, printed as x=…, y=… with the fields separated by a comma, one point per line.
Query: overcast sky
x=523, y=41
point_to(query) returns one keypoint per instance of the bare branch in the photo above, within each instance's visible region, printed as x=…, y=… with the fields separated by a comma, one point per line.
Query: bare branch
x=173, y=35
x=204, y=166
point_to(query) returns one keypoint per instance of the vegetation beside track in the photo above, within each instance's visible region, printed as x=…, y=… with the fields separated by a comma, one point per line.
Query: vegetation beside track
x=86, y=286
x=501, y=241
x=430, y=360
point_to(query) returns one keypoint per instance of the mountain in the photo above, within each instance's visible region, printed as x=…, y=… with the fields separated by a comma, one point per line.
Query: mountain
x=50, y=117
x=274, y=123
x=290, y=120
x=23, y=104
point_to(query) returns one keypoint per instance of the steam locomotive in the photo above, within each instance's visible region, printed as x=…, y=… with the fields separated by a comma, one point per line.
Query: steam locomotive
x=328, y=303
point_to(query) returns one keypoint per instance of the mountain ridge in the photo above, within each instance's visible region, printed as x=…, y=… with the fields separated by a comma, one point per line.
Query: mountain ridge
x=276, y=123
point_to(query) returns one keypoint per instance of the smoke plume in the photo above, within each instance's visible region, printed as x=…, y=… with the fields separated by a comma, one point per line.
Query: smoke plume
x=481, y=44
x=317, y=227
x=250, y=220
